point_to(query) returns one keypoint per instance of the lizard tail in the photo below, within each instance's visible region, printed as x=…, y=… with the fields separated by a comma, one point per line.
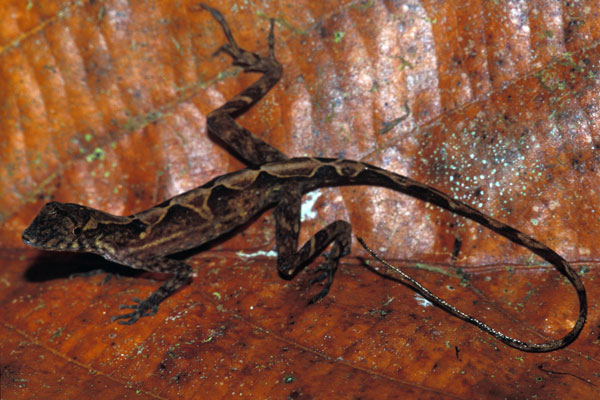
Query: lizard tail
x=366, y=174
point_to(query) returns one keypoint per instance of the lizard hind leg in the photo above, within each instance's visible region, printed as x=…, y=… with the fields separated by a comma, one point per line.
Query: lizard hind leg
x=341, y=232
x=291, y=261
x=289, y=265
x=221, y=122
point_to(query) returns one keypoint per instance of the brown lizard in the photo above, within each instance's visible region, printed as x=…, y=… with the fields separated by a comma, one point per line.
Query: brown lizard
x=272, y=180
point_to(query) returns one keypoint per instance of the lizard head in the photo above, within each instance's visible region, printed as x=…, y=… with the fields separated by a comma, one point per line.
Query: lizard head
x=60, y=226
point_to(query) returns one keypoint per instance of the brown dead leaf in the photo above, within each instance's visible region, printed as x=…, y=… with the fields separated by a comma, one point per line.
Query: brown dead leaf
x=104, y=104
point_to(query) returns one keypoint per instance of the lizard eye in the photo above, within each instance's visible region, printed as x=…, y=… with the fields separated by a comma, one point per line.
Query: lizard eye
x=77, y=231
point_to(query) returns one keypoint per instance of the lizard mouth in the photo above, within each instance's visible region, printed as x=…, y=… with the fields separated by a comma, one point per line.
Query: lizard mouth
x=27, y=238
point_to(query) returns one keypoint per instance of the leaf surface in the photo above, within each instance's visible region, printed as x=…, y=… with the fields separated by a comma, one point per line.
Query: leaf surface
x=104, y=104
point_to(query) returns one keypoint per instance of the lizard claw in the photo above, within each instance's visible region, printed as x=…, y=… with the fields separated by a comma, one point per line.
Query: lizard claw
x=326, y=272
x=249, y=61
x=143, y=308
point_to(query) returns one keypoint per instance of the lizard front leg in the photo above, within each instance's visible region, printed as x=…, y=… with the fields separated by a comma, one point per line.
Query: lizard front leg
x=291, y=261
x=149, y=306
x=221, y=122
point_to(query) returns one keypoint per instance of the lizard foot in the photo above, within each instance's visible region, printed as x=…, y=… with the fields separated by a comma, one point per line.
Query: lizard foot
x=143, y=308
x=249, y=61
x=325, y=272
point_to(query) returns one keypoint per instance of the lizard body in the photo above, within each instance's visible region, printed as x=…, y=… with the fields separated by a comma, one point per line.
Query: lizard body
x=272, y=180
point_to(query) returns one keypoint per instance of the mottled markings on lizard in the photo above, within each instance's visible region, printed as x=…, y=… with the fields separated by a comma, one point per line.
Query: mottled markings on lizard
x=196, y=217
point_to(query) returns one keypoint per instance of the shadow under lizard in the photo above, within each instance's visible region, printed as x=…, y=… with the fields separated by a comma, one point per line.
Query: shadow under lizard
x=272, y=180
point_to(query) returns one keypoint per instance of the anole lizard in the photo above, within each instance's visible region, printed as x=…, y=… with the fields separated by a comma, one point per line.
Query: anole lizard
x=272, y=180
